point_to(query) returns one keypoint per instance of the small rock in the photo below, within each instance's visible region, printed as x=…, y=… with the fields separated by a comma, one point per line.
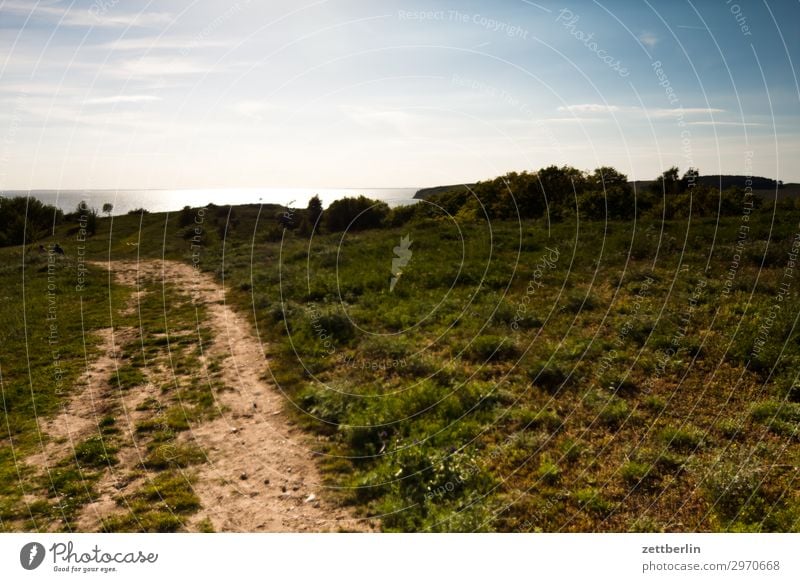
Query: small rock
x=234, y=430
x=283, y=488
x=295, y=487
x=310, y=498
x=266, y=481
x=243, y=476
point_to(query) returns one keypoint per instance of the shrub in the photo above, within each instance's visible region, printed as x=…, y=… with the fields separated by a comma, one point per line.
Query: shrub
x=780, y=417
x=635, y=473
x=680, y=439
x=24, y=220
x=491, y=348
x=355, y=214
x=550, y=377
x=591, y=500
x=549, y=472
x=730, y=489
x=614, y=413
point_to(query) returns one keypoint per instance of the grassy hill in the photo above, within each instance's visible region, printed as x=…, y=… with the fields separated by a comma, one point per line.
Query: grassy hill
x=503, y=376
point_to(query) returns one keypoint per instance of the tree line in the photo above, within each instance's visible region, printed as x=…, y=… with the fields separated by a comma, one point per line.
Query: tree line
x=554, y=192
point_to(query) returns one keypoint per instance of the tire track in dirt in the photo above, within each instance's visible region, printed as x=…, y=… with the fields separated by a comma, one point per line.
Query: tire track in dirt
x=261, y=473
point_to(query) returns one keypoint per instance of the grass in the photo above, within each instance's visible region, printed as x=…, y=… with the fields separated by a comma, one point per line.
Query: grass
x=168, y=327
x=477, y=394
x=160, y=506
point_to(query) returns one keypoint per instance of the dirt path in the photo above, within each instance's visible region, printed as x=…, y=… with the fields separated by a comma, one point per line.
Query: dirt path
x=80, y=414
x=261, y=474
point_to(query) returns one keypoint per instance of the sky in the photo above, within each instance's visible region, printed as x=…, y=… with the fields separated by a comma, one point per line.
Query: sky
x=346, y=94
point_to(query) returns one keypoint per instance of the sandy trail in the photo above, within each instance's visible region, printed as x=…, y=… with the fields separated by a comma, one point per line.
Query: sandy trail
x=80, y=414
x=261, y=474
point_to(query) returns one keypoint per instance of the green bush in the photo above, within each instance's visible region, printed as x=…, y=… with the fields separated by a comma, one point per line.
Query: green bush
x=635, y=473
x=355, y=214
x=681, y=439
x=491, y=348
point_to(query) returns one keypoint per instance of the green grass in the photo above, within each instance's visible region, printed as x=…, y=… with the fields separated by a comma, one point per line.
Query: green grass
x=160, y=506
x=479, y=394
x=35, y=383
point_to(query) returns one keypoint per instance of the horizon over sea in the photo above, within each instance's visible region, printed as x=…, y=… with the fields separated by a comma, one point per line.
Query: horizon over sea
x=171, y=200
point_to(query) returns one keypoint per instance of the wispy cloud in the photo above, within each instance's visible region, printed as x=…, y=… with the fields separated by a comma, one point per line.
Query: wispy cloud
x=648, y=39
x=88, y=17
x=589, y=108
x=658, y=112
x=678, y=111
x=113, y=100
x=255, y=110
x=376, y=118
x=151, y=43
x=575, y=119
x=726, y=123
x=153, y=66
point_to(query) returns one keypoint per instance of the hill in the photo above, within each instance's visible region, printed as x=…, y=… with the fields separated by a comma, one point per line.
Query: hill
x=517, y=376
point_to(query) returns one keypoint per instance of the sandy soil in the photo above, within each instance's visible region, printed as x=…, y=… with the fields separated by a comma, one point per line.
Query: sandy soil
x=81, y=413
x=261, y=473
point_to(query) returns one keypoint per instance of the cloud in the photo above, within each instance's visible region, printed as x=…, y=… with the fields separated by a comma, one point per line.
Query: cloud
x=572, y=120
x=388, y=121
x=152, y=66
x=726, y=123
x=658, y=112
x=122, y=99
x=253, y=109
x=590, y=108
x=648, y=39
x=678, y=111
x=94, y=16
x=151, y=43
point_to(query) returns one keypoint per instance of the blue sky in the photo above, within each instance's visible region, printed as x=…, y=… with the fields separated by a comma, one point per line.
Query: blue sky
x=175, y=94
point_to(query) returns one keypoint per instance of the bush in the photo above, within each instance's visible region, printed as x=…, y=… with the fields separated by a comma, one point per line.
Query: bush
x=614, y=413
x=635, y=473
x=685, y=440
x=591, y=500
x=549, y=377
x=491, y=348
x=731, y=488
x=24, y=220
x=355, y=214
x=549, y=472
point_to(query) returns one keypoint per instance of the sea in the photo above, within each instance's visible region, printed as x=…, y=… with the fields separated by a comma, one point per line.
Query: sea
x=173, y=200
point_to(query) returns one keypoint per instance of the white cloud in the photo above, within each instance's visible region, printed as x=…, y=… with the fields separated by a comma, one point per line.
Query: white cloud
x=658, y=112
x=122, y=99
x=573, y=120
x=375, y=118
x=92, y=16
x=253, y=109
x=152, y=66
x=151, y=43
x=590, y=108
x=729, y=123
x=648, y=39
x=678, y=111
